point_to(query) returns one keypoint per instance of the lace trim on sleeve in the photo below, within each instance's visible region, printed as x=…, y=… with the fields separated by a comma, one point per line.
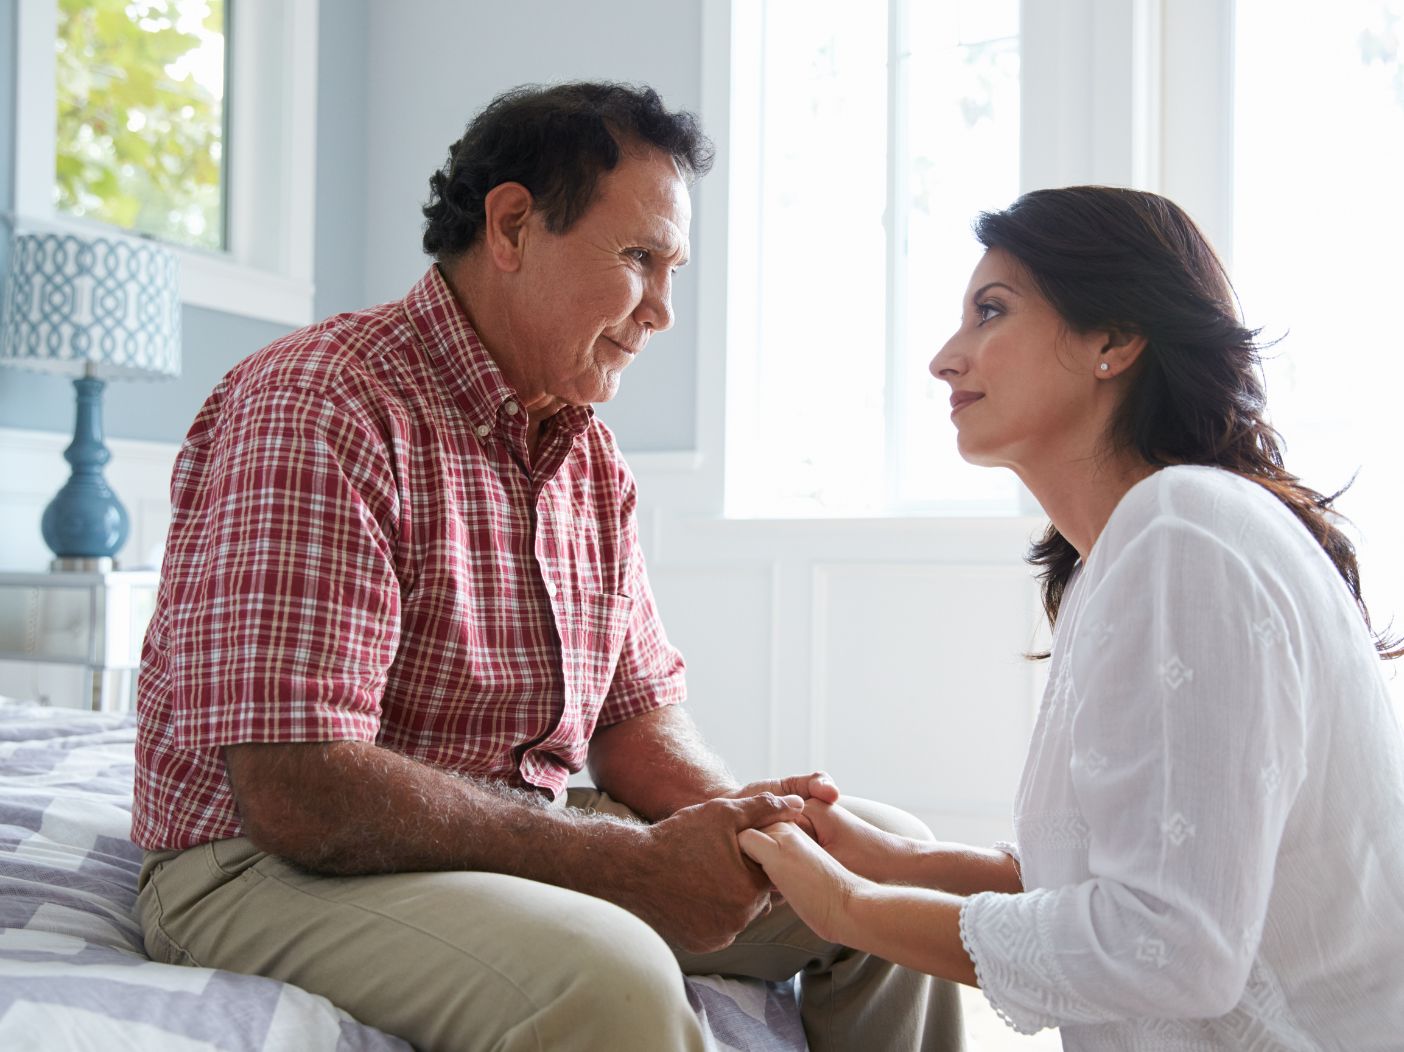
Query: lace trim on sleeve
x=1008, y=941
x=984, y=968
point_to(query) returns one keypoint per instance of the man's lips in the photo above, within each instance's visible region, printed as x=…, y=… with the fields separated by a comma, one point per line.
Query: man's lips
x=961, y=399
x=631, y=351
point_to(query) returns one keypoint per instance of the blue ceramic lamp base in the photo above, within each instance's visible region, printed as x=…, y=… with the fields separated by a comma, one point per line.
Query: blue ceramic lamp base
x=85, y=520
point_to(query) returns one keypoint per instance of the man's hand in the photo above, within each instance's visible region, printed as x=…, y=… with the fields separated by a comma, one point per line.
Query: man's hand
x=694, y=886
x=817, y=888
x=817, y=786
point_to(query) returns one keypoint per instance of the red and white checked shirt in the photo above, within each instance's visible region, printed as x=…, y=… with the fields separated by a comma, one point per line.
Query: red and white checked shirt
x=356, y=552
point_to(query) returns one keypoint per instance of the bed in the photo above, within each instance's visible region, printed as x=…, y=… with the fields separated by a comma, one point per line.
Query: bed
x=74, y=975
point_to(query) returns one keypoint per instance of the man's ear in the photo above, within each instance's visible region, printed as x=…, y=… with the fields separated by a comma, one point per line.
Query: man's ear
x=505, y=212
x=1118, y=352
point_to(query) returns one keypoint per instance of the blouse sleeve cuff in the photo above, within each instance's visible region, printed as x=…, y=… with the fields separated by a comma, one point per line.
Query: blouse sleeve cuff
x=1019, y=976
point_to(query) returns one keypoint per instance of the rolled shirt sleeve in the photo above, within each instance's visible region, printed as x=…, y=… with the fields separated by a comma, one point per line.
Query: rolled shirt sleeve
x=284, y=627
x=1187, y=754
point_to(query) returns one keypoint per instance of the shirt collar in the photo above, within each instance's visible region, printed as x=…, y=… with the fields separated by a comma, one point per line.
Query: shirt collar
x=470, y=376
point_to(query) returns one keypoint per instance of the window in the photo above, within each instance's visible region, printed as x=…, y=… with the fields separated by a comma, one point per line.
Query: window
x=140, y=137
x=874, y=138
x=1318, y=163
x=1282, y=136
x=233, y=191
x=859, y=143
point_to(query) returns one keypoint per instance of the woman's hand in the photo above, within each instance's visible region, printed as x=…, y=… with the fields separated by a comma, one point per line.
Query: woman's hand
x=860, y=846
x=816, y=886
x=915, y=927
x=818, y=787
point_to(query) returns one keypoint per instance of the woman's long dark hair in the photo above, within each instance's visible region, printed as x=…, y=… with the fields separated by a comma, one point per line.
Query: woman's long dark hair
x=1135, y=263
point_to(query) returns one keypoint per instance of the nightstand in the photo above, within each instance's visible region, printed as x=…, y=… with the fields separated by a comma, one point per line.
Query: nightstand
x=75, y=637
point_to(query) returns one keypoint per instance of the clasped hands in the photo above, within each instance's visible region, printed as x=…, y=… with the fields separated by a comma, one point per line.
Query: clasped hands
x=730, y=853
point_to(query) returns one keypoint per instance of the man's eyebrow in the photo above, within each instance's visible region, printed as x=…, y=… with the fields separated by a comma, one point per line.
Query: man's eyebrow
x=662, y=248
x=991, y=285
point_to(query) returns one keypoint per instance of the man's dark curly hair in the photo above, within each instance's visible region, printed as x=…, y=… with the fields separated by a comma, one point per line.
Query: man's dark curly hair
x=555, y=141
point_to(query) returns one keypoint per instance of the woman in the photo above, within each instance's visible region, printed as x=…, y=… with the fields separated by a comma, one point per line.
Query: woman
x=1211, y=819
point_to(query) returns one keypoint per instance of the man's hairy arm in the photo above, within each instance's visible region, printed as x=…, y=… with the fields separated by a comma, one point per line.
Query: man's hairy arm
x=352, y=807
x=657, y=763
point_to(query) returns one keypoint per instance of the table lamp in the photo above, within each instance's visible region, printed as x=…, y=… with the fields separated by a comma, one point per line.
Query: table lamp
x=95, y=308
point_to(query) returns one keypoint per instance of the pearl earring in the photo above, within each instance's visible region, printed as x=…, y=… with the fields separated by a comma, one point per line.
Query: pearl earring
x=1105, y=367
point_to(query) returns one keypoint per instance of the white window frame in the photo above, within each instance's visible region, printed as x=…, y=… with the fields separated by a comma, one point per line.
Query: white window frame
x=266, y=272
x=1125, y=93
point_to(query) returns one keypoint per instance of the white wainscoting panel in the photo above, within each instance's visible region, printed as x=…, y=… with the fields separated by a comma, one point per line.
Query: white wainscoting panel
x=922, y=694
x=893, y=656
x=723, y=620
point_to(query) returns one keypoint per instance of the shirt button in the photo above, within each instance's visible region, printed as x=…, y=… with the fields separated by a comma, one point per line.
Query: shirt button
x=511, y=408
x=482, y=430
x=551, y=589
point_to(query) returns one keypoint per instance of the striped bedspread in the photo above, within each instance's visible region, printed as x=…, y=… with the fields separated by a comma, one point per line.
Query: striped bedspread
x=74, y=975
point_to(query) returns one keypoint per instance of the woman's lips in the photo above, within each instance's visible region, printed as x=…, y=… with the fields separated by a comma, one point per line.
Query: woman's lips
x=961, y=399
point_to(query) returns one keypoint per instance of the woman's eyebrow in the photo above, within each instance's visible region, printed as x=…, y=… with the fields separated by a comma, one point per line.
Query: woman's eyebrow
x=990, y=285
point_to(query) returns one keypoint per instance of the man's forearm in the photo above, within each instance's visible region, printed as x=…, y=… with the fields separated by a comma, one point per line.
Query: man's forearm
x=657, y=764
x=352, y=808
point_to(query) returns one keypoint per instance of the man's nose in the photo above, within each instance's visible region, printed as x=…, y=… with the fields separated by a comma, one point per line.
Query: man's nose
x=655, y=309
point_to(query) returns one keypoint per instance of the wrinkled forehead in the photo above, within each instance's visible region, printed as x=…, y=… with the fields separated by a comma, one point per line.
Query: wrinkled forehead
x=645, y=197
x=650, y=181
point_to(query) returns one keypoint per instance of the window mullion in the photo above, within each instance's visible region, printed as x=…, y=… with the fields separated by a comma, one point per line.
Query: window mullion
x=898, y=198
x=36, y=111
x=1196, y=151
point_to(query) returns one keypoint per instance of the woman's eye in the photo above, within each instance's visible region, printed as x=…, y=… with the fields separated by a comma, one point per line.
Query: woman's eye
x=985, y=311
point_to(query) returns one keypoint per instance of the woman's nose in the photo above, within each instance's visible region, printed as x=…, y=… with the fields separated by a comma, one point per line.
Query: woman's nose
x=946, y=363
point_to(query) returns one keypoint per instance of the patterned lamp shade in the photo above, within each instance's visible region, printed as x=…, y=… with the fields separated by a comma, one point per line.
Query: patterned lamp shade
x=96, y=308
x=103, y=307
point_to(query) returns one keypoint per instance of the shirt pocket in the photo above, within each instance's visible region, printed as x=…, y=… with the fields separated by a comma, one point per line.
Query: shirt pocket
x=599, y=631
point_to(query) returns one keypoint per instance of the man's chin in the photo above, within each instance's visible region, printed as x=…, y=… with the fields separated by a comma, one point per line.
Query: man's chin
x=608, y=386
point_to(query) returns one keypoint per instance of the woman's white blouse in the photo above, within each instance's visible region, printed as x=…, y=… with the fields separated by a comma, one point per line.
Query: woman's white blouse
x=1210, y=823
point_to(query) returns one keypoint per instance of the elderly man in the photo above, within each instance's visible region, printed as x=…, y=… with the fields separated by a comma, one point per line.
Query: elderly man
x=403, y=600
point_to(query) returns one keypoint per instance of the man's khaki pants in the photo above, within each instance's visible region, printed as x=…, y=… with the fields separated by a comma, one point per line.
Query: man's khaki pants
x=470, y=960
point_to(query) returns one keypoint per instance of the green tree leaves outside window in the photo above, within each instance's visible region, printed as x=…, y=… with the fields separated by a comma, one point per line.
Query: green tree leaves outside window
x=140, y=137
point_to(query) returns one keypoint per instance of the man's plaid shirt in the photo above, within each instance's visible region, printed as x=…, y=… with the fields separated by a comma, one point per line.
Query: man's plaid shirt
x=356, y=552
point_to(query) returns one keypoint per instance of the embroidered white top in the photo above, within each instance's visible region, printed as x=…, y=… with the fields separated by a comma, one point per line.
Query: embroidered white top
x=1210, y=823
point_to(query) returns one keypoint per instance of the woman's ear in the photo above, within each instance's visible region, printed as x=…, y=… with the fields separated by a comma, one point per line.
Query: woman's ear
x=505, y=212
x=1119, y=351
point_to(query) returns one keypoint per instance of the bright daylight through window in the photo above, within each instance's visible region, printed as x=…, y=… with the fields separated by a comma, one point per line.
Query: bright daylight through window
x=140, y=140
x=875, y=135
x=1318, y=211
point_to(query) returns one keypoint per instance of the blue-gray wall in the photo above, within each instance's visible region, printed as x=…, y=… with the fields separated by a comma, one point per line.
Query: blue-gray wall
x=212, y=340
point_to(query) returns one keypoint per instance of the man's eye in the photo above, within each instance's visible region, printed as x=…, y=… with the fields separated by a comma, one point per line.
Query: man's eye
x=638, y=255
